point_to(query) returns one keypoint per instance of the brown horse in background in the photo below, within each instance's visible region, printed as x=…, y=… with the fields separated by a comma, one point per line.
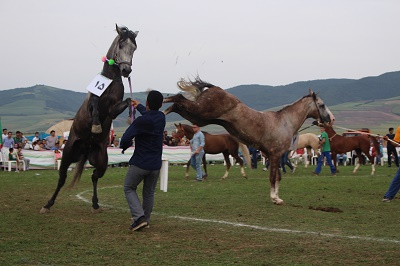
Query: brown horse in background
x=214, y=144
x=89, y=134
x=361, y=144
x=270, y=132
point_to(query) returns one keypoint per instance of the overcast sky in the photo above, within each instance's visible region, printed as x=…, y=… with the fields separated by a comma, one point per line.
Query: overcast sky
x=226, y=42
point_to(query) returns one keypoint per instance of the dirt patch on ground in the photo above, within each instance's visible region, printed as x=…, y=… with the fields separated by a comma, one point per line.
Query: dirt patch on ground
x=325, y=209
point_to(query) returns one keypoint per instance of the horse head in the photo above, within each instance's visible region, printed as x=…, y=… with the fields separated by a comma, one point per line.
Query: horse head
x=122, y=49
x=179, y=130
x=322, y=111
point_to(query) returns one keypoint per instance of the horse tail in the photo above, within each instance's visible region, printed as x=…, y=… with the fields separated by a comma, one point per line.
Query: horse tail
x=246, y=153
x=78, y=172
x=376, y=145
x=193, y=88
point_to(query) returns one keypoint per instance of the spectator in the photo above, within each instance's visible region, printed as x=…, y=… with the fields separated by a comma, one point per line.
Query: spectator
x=40, y=146
x=51, y=140
x=36, y=137
x=8, y=142
x=395, y=184
x=18, y=139
x=56, y=146
x=197, y=150
x=21, y=157
x=254, y=153
x=391, y=149
x=341, y=158
x=167, y=139
x=12, y=157
x=63, y=145
x=4, y=135
x=285, y=161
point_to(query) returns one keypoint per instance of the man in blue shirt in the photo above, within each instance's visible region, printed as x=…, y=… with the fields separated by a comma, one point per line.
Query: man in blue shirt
x=197, y=149
x=145, y=163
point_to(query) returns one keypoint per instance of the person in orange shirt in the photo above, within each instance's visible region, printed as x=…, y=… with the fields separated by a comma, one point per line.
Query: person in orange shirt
x=395, y=184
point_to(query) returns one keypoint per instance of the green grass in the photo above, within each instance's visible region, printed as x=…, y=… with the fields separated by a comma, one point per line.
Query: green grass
x=214, y=222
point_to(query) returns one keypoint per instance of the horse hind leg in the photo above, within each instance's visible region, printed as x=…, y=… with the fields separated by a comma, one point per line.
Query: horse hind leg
x=275, y=177
x=241, y=163
x=205, y=175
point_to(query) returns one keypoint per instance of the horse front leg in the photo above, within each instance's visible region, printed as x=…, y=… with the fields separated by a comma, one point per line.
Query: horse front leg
x=93, y=107
x=358, y=163
x=187, y=169
x=118, y=108
x=228, y=165
x=372, y=160
x=274, y=179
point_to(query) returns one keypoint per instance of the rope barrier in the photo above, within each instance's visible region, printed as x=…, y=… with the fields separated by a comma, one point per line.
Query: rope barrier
x=366, y=133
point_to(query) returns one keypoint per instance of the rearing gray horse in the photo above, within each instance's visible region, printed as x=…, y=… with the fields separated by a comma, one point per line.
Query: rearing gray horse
x=89, y=134
x=270, y=132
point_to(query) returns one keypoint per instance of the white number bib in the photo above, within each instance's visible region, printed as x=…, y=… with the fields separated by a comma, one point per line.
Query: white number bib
x=99, y=84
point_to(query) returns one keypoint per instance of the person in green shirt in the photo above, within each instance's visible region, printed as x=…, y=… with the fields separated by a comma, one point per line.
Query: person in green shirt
x=325, y=147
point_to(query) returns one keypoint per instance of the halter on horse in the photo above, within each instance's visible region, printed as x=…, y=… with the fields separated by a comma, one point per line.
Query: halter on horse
x=214, y=144
x=88, y=137
x=270, y=132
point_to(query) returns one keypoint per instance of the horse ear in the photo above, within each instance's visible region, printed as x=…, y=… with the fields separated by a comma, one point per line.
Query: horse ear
x=136, y=33
x=310, y=91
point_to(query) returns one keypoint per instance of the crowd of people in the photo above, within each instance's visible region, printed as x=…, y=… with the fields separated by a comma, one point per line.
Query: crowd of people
x=13, y=146
x=175, y=140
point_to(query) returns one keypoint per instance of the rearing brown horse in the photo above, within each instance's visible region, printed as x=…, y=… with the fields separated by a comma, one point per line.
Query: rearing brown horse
x=270, y=132
x=361, y=144
x=88, y=137
x=214, y=144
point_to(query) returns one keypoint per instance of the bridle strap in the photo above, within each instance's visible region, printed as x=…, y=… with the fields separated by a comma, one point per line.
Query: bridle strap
x=133, y=108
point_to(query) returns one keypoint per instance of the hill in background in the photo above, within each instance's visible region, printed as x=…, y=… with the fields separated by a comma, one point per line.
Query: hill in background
x=368, y=102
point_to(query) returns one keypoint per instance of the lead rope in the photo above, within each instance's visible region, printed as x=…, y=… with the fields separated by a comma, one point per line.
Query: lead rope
x=133, y=108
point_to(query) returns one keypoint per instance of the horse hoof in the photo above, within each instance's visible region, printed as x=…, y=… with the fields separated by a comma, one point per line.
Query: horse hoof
x=245, y=176
x=44, y=210
x=278, y=202
x=96, y=129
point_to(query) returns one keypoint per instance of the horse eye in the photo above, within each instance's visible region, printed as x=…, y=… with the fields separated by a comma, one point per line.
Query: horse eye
x=322, y=105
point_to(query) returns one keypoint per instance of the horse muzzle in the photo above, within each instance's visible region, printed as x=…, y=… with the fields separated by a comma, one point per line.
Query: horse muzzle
x=125, y=70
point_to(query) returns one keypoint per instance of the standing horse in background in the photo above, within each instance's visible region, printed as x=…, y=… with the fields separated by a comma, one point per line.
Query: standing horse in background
x=308, y=141
x=96, y=114
x=270, y=132
x=214, y=144
x=361, y=144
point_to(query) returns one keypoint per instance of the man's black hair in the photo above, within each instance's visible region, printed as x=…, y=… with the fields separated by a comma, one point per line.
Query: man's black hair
x=155, y=100
x=390, y=128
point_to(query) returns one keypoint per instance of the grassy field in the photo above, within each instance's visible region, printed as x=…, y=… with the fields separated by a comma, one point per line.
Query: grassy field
x=325, y=221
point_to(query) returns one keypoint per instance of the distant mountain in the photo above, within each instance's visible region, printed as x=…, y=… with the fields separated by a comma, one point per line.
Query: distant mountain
x=332, y=91
x=38, y=107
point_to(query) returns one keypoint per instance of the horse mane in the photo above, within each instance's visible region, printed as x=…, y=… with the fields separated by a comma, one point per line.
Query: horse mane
x=289, y=105
x=193, y=89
